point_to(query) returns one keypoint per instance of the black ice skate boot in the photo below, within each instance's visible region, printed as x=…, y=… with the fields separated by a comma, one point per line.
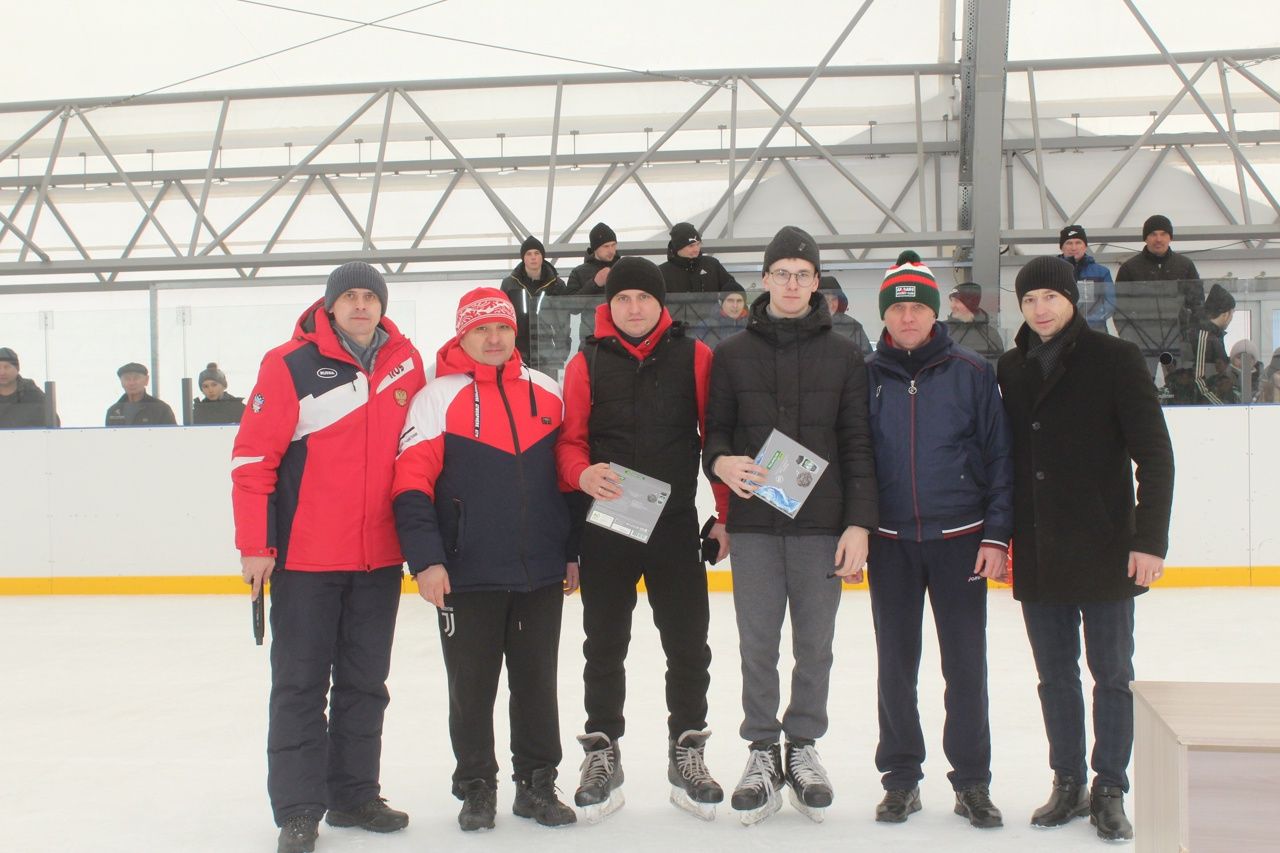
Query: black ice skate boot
x=599, y=791
x=536, y=798
x=810, y=787
x=757, y=793
x=692, y=788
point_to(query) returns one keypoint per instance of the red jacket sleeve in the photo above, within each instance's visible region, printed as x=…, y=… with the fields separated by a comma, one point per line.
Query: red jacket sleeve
x=702, y=358
x=266, y=430
x=573, y=449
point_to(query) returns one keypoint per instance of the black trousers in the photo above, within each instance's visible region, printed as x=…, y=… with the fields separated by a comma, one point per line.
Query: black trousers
x=1054, y=632
x=899, y=573
x=477, y=631
x=331, y=638
x=676, y=583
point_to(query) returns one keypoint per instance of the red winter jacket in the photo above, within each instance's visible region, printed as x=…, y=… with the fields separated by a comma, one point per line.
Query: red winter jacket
x=313, y=460
x=476, y=488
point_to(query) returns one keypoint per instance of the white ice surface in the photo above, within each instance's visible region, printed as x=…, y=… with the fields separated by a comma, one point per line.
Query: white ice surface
x=138, y=724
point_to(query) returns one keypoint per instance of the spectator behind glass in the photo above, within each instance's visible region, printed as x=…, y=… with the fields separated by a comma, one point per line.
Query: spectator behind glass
x=1246, y=361
x=731, y=318
x=969, y=325
x=22, y=403
x=1269, y=392
x=842, y=323
x=136, y=407
x=1097, y=291
x=217, y=407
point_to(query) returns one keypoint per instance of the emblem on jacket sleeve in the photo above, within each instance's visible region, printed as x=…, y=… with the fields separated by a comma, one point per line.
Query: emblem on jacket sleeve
x=258, y=400
x=402, y=397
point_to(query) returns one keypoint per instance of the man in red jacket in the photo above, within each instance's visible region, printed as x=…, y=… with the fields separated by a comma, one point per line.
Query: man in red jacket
x=311, y=489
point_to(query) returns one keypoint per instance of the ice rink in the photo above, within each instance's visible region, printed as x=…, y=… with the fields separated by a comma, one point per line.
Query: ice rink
x=138, y=724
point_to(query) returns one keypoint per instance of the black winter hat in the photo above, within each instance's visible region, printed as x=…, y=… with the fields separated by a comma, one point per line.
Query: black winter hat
x=969, y=295
x=133, y=367
x=356, y=274
x=1072, y=232
x=682, y=234
x=636, y=273
x=601, y=234
x=1047, y=273
x=10, y=356
x=1219, y=301
x=212, y=372
x=792, y=242
x=532, y=242
x=1158, y=222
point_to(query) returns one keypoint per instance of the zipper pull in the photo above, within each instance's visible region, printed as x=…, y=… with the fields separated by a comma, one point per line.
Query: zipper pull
x=912, y=389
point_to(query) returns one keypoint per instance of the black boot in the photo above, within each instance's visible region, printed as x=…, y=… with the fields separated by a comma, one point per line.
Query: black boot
x=298, y=835
x=536, y=798
x=374, y=815
x=1106, y=812
x=974, y=803
x=1069, y=799
x=898, y=805
x=479, y=805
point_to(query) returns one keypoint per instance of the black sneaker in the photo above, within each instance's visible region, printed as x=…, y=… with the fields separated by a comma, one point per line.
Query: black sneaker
x=898, y=804
x=298, y=835
x=974, y=803
x=536, y=798
x=374, y=815
x=479, y=805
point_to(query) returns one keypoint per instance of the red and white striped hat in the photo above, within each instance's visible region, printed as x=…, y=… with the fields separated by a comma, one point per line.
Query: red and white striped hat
x=484, y=305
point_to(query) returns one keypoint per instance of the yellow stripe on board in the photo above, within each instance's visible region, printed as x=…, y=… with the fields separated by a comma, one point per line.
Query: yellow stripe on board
x=717, y=581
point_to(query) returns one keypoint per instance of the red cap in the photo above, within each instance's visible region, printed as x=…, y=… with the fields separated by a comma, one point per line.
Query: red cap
x=484, y=305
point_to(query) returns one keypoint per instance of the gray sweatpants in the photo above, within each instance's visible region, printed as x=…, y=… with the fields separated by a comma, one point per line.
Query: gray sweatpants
x=772, y=574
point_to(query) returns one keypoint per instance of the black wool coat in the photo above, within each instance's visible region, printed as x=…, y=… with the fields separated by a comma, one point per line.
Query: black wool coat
x=1075, y=437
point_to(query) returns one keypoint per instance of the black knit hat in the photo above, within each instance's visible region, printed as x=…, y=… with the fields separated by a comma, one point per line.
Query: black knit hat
x=532, y=242
x=1219, y=301
x=1158, y=222
x=356, y=274
x=212, y=372
x=1072, y=232
x=133, y=367
x=636, y=273
x=1047, y=273
x=682, y=234
x=792, y=242
x=601, y=234
x=10, y=356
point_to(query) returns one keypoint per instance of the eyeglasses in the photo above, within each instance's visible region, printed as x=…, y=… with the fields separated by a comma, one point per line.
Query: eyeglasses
x=781, y=277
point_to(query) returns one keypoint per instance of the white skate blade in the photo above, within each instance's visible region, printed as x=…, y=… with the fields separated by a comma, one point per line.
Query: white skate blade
x=815, y=815
x=595, y=814
x=681, y=800
x=753, y=816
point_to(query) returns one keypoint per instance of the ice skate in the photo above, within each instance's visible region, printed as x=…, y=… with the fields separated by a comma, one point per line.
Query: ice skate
x=599, y=791
x=692, y=788
x=757, y=793
x=810, y=787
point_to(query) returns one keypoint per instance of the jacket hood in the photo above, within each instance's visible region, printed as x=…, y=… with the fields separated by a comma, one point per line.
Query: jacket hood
x=452, y=359
x=605, y=330
x=763, y=323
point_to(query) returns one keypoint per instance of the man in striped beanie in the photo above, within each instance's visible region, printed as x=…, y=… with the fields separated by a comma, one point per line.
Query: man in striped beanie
x=909, y=280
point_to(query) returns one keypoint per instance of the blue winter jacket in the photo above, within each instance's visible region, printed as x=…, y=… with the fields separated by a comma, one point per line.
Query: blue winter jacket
x=1097, y=291
x=942, y=443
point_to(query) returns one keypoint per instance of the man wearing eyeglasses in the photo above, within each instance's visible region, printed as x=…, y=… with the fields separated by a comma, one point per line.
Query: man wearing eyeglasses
x=789, y=372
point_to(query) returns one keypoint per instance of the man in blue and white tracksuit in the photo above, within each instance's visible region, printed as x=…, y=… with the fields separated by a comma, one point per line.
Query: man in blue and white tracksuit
x=945, y=474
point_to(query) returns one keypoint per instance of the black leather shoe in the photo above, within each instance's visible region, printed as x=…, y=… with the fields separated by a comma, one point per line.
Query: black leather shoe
x=974, y=803
x=897, y=805
x=1106, y=812
x=374, y=815
x=1069, y=799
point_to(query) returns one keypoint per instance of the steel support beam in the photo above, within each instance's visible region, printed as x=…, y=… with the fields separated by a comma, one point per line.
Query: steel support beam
x=986, y=51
